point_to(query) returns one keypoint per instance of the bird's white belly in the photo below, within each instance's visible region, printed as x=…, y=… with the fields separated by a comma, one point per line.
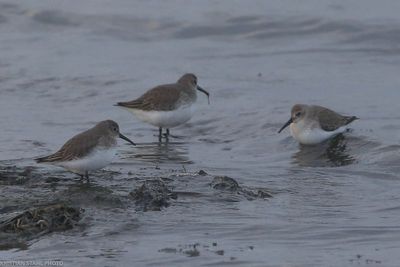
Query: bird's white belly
x=165, y=119
x=96, y=160
x=312, y=135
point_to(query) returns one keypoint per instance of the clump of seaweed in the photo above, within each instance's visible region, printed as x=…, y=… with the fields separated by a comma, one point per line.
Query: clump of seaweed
x=230, y=185
x=57, y=217
x=152, y=195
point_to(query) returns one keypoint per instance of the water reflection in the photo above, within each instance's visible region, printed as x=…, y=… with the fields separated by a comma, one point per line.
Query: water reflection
x=332, y=153
x=160, y=152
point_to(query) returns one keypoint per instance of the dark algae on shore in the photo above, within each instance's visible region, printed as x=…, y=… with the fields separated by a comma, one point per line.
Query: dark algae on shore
x=36, y=222
x=152, y=195
x=231, y=186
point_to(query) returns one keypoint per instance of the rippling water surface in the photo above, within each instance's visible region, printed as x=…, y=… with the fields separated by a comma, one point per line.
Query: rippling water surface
x=63, y=64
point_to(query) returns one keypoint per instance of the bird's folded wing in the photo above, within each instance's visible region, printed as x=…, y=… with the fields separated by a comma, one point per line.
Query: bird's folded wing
x=161, y=98
x=329, y=120
x=77, y=147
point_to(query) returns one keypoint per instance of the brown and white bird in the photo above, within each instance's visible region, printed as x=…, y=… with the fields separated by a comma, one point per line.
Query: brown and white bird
x=314, y=124
x=88, y=151
x=167, y=106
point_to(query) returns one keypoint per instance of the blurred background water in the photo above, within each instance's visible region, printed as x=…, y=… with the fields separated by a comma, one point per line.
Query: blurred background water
x=63, y=64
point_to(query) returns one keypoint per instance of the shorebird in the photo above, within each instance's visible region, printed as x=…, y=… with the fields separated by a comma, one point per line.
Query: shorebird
x=167, y=105
x=88, y=151
x=314, y=124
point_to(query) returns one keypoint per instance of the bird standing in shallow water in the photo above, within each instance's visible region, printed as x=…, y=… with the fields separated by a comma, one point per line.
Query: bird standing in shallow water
x=311, y=125
x=88, y=151
x=168, y=105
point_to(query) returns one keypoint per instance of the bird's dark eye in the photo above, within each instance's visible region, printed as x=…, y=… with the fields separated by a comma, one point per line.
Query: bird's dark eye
x=298, y=114
x=195, y=81
x=115, y=129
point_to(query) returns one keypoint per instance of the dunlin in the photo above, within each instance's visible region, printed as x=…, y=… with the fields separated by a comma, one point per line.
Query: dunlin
x=88, y=151
x=167, y=106
x=314, y=124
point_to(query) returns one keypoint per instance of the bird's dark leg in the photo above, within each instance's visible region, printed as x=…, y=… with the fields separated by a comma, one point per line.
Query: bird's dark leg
x=172, y=136
x=87, y=176
x=159, y=134
x=166, y=135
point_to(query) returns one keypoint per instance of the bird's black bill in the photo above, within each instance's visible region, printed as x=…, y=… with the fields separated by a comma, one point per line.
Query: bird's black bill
x=126, y=139
x=286, y=125
x=205, y=92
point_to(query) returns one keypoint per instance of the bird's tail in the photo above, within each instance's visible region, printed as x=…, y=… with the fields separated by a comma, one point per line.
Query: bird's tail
x=134, y=104
x=350, y=119
x=48, y=159
x=40, y=160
